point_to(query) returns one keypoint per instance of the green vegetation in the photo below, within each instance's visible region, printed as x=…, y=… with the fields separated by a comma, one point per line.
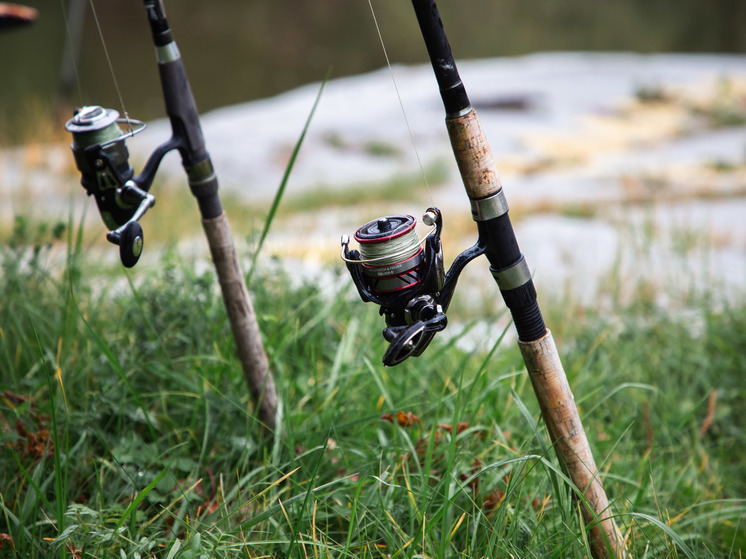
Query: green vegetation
x=402, y=187
x=126, y=428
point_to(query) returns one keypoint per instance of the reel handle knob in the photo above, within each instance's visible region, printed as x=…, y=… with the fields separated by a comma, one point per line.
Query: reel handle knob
x=130, y=244
x=129, y=236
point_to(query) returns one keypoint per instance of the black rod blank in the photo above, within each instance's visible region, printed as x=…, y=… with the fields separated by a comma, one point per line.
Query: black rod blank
x=455, y=99
x=476, y=163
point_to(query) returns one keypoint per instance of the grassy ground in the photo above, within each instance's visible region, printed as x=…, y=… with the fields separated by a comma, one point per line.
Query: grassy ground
x=127, y=430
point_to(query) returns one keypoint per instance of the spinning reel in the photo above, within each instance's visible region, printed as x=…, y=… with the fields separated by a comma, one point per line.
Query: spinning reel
x=102, y=158
x=405, y=277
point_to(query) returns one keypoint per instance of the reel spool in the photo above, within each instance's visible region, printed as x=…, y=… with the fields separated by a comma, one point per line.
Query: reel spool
x=102, y=158
x=393, y=265
x=391, y=254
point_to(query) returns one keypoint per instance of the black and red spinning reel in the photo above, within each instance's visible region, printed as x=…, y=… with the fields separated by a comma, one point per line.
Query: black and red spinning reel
x=405, y=276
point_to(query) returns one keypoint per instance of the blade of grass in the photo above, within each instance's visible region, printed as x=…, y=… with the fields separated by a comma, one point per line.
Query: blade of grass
x=298, y=521
x=535, y=428
x=353, y=514
x=29, y=478
x=60, y=481
x=281, y=189
x=140, y=496
x=667, y=530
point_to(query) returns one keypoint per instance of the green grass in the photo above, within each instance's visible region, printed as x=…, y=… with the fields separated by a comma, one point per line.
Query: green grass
x=127, y=429
x=403, y=187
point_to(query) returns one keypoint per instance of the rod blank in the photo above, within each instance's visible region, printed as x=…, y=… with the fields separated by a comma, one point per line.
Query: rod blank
x=188, y=138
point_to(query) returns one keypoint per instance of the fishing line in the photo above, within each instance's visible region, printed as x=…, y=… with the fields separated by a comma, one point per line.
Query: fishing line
x=111, y=66
x=401, y=104
x=383, y=254
x=388, y=253
x=71, y=49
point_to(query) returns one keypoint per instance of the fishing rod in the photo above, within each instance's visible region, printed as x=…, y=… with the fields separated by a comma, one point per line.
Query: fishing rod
x=123, y=198
x=405, y=277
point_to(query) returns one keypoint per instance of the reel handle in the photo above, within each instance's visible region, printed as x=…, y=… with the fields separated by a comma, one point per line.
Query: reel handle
x=412, y=340
x=403, y=342
x=129, y=235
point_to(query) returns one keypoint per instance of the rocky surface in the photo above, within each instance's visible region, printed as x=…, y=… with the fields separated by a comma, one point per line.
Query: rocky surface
x=621, y=170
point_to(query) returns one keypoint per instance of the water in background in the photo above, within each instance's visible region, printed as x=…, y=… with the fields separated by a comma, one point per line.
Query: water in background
x=239, y=50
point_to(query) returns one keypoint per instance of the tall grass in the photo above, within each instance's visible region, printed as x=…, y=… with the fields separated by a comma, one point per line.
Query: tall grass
x=127, y=430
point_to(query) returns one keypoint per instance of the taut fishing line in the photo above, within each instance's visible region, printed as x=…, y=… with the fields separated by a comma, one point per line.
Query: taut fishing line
x=70, y=49
x=111, y=66
x=398, y=96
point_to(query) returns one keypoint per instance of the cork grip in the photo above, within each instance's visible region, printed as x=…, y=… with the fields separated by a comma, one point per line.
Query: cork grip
x=473, y=156
x=568, y=436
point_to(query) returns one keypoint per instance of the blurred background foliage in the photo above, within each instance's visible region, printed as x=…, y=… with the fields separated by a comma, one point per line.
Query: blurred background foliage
x=238, y=50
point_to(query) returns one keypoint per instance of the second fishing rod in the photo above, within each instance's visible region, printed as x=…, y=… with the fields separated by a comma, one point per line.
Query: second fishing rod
x=123, y=198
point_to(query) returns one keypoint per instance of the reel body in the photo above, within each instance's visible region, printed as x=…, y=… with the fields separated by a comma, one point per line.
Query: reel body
x=103, y=161
x=102, y=158
x=405, y=276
